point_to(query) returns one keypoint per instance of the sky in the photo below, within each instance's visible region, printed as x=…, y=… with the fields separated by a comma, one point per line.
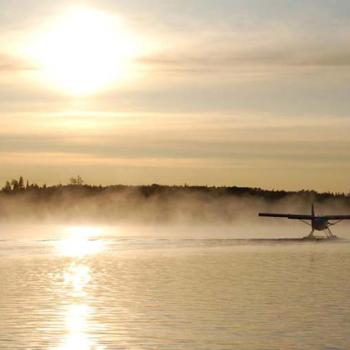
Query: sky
x=240, y=92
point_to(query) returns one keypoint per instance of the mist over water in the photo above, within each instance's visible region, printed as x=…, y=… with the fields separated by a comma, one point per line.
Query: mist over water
x=154, y=205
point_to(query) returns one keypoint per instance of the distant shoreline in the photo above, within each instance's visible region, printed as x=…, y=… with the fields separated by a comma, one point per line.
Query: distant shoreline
x=14, y=187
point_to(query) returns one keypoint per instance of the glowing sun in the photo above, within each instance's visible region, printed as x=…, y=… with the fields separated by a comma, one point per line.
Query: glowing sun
x=83, y=51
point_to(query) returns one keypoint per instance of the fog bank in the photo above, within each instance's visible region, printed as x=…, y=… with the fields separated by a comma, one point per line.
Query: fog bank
x=159, y=204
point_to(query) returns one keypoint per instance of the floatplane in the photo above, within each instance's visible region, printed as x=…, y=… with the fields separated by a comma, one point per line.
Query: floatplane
x=317, y=222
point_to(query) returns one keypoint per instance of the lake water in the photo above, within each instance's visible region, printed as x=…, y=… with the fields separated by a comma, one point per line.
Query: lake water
x=181, y=288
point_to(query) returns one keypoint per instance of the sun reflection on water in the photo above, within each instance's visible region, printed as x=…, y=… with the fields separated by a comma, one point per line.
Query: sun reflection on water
x=77, y=313
x=80, y=241
x=77, y=277
x=77, y=323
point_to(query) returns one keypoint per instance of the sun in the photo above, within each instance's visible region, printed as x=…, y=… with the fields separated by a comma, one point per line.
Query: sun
x=84, y=51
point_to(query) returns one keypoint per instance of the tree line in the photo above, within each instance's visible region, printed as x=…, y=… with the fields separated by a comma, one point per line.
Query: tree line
x=21, y=185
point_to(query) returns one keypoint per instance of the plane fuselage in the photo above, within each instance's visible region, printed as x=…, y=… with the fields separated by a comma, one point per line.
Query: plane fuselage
x=319, y=223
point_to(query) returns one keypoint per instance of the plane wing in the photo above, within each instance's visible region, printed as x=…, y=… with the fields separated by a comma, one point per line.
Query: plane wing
x=289, y=216
x=305, y=217
x=336, y=217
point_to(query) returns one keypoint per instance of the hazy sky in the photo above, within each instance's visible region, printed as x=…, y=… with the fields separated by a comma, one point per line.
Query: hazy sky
x=250, y=93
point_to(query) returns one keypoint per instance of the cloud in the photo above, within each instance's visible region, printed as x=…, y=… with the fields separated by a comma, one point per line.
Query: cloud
x=224, y=140
x=10, y=63
x=288, y=57
x=266, y=46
